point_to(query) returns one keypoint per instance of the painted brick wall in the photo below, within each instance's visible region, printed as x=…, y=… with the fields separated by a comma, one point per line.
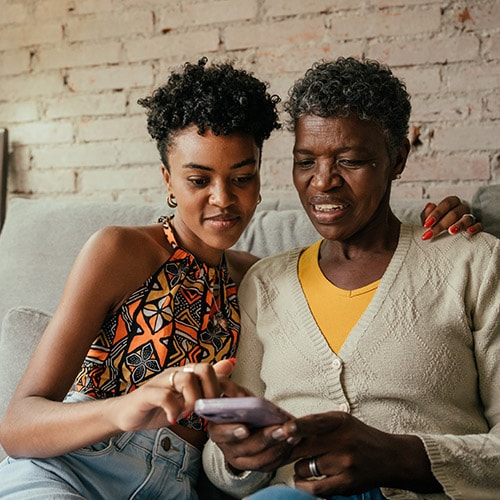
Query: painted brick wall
x=71, y=72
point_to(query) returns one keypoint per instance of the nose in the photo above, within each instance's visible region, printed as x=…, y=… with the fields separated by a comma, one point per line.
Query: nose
x=221, y=195
x=326, y=176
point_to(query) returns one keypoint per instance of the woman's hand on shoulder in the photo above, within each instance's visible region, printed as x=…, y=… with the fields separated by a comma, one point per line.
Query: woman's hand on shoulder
x=452, y=215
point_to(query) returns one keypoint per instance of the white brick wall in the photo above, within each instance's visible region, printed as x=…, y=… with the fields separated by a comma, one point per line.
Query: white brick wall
x=71, y=72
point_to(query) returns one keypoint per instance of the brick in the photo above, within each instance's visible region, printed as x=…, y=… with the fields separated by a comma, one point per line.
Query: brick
x=79, y=55
x=139, y=152
x=447, y=168
x=15, y=112
x=14, y=13
x=492, y=47
x=137, y=21
x=30, y=86
x=472, y=77
x=420, y=80
x=76, y=155
x=269, y=34
x=54, y=9
x=377, y=24
x=492, y=106
x=170, y=45
x=44, y=182
x=223, y=11
x=406, y=191
x=14, y=62
x=276, y=174
x=124, y=178
x=279, y=60
x=437, y=50
x=112, y=129
x=448, y=107
x=86, y=105
x=112, y=77
x=279, y=145
x=41, y=133
x=484, y=16
x=27, y=35
x=472, y=137
x=275, y=8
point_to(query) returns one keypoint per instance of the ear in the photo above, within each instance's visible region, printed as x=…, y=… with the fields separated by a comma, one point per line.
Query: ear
x=401, y=158
x=166, y=177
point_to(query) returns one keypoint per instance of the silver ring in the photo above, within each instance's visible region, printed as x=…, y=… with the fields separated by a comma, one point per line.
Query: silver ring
x=472, y=216
x=313, y=468
x=171, y=379
x=189, y=368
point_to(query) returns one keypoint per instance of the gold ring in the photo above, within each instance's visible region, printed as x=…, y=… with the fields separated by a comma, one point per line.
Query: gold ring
x=171, y=379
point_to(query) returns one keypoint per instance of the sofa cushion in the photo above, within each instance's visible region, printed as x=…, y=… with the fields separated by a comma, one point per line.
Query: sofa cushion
x=21, y=329
x=486, y=205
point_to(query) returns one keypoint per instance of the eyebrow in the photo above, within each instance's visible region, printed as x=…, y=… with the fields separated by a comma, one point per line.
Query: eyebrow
x=243, y=163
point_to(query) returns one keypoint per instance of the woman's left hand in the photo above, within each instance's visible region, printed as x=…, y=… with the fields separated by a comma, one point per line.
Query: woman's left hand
x=452, y=215
x=352, y=457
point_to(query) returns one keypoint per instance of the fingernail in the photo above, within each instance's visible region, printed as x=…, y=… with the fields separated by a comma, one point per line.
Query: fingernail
x=427, y=235
x=454, y=230
x=471, y=230
x=278, y=434
x=293, y=440
x=429, y=222
x=240, y=433
x=232, y=361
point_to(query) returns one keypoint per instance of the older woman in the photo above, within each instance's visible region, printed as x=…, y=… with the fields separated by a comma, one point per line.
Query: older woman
x=385, y=348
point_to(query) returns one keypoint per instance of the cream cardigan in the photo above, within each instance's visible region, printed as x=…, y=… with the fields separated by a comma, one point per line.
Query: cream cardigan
x=423, y=359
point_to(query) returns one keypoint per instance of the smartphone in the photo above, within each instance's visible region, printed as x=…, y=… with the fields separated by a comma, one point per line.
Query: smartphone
x=251, y=411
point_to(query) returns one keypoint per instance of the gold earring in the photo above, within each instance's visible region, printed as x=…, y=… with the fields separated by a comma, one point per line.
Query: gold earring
x=259, y=199
x=398, y=176
x=171, y=201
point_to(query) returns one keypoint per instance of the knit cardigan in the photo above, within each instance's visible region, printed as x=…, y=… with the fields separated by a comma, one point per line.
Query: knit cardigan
x=423, y=359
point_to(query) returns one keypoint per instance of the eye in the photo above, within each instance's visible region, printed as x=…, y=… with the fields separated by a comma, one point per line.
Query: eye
x=351, y=164
x=243, y=179
x=304, y=163
x=198, y=181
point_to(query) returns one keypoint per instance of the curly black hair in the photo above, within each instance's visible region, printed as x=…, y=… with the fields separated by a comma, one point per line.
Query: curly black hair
x=218, y=97
x=346, y=86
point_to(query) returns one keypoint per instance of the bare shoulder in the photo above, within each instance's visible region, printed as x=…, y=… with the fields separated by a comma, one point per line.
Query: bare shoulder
x=238, y=263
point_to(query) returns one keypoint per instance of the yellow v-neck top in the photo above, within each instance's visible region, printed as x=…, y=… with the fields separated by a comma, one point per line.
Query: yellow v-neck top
x=335, y=310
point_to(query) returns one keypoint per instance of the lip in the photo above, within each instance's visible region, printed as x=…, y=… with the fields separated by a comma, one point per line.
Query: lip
x=328, y=210
x=223, y=221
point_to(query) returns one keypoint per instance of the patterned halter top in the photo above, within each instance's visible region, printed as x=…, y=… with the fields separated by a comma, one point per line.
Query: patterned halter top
x=186, y=312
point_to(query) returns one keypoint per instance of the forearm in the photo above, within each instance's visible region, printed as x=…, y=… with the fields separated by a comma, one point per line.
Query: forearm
x=39, y=428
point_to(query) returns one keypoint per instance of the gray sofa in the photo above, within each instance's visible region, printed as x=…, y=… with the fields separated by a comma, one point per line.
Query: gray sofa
x=41, y=238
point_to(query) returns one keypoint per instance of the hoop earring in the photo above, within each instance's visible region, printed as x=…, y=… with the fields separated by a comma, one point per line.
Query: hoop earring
x=259, y=199
x=171, y=201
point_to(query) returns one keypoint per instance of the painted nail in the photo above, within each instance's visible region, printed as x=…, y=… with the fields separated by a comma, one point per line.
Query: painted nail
x=471, y=230
x=232, y=361
x=429, y=222
x=454, y=229
x=427, y=235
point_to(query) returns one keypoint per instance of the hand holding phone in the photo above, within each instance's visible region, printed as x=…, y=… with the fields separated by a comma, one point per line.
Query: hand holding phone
x=251, y=411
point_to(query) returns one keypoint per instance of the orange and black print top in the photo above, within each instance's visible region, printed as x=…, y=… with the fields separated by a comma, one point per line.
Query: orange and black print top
x=186, y=312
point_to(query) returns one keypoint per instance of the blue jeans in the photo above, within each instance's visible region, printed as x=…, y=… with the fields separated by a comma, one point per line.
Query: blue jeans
x=133, y=465
x=279, y=492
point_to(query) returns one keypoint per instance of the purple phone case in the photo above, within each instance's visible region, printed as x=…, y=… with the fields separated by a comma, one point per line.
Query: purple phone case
x=252, y=411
